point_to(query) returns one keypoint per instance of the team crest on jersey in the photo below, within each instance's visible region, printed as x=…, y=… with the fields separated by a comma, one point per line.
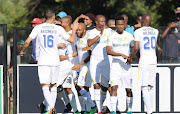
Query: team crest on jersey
x=80, y=42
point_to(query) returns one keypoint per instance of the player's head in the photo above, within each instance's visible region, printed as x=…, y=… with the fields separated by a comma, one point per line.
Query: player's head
x=81, y=30
x=120, y=24
x=66, y=21
x=125, y=18
x=146, y=20
x=111, y=23
x=49, y=14
x=100, y=21
x=89, y=19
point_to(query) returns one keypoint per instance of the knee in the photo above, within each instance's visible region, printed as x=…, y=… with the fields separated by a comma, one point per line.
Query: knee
x=129, y=92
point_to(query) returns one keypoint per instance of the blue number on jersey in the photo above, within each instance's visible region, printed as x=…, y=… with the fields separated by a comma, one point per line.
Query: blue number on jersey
x=48, y=41
x=151, y=41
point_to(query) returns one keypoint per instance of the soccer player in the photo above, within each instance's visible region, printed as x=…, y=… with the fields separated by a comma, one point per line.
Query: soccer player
x=48, y=63
x=120, y=72
x=145, y=39
x=84, y=80
x=67, y=59
x=99, y=61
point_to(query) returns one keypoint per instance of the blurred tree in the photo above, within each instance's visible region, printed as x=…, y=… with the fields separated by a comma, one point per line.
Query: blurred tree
x=13, y=13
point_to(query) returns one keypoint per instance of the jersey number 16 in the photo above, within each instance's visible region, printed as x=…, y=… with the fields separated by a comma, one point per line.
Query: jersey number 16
x=48, y=41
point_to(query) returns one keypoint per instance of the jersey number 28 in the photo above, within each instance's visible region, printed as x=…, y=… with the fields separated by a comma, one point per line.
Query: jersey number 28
x=48, y=41
x=149, y=42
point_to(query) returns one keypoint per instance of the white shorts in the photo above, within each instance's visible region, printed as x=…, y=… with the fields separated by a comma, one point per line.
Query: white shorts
x=99, y=71
x=64, y=73
x=84, y=78
x=121, y=74
x=48, y=74
x=148, y=74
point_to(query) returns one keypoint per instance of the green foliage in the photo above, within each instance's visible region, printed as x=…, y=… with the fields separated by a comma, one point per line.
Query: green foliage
x=13, y=13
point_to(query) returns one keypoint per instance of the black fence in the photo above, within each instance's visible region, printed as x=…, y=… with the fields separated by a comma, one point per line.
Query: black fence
x=3, y=61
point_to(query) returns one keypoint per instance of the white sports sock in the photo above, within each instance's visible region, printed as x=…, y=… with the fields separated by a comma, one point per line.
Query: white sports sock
x=63, y=96
x=108, y=101
x=97, y=97
x=152, y=95
x=84, y=93
x=103, y=96
x=73, y=102
x=47, y=96
x=53, y=95
x=88, y=105
x=113, y=103
x=82, y=102
x=147, y=99
x=129, y=102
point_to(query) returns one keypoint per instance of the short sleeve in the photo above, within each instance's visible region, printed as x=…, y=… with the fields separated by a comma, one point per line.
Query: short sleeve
x=109, y=41
x=63, y=33
x=34, y=33
x=136, y=36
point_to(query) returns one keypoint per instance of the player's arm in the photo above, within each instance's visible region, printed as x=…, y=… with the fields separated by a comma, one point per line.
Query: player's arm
x=77, y=66
x=110, y=52
x=26, y=44
x=72, y=36
x=86, y=48
x=170, y=25
x=135, y=49
x=79, y=17
x=158, y=48
x=92, y=41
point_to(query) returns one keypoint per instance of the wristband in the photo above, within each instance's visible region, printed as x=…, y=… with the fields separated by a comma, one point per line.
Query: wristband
x=158, y=48
x=70, y=56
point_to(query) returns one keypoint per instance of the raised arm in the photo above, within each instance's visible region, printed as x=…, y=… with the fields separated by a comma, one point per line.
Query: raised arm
x=170, y=25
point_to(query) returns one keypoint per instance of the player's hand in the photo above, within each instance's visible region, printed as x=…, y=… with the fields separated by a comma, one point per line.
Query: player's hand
x=57, y=22
x=129, y=60
x=75, y=67
x=75, y=25
x=86, y=48
x=160, y=50
x=61, y=45
x=172, y=24
x=124, y=56
x=82, y=16
x=22, y=53
x=62, y=57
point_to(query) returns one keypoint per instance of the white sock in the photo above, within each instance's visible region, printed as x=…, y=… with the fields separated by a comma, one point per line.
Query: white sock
x=53, y=95
x=88, y=105
x=147, y=99
x=108, y=101
x=103, y=96
x=82, y=102
x=129, y=102
x=63, y=96
x=46, y=104
x=73, y=102
x=97, y=97
x=113, y=103
x=47, y=96
x=152, y=95
x=84, y=93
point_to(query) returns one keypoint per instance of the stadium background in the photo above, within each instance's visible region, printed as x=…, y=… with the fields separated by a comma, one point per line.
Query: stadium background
x=18, y=13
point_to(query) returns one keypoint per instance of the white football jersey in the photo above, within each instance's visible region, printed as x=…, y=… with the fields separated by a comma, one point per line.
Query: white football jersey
x=147, y=37
x=121, y=44
x=48, y=37
x=99, y=47
x=80, y=44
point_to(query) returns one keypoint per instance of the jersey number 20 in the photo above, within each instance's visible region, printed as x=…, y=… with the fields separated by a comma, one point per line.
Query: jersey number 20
x=150, y=42
x=48, y=41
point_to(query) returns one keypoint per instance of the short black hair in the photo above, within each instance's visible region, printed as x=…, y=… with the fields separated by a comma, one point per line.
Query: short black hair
x=119, y=18
x=49, y=13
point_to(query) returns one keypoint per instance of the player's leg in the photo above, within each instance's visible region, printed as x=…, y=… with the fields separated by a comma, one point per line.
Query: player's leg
x=113, y=98
x=44, y=73
x=95, y=77
x=129, y=100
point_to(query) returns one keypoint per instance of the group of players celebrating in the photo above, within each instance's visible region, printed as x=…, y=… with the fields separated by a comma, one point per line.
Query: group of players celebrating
x=68, y=54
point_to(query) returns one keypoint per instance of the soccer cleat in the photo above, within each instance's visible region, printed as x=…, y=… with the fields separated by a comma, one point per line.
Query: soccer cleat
x=113, y=112
x=42, y=108
x=99, y=112
x=53, y=111
x=129, y=112
x=68, y=108
x=93, y=109
x=47, y=112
